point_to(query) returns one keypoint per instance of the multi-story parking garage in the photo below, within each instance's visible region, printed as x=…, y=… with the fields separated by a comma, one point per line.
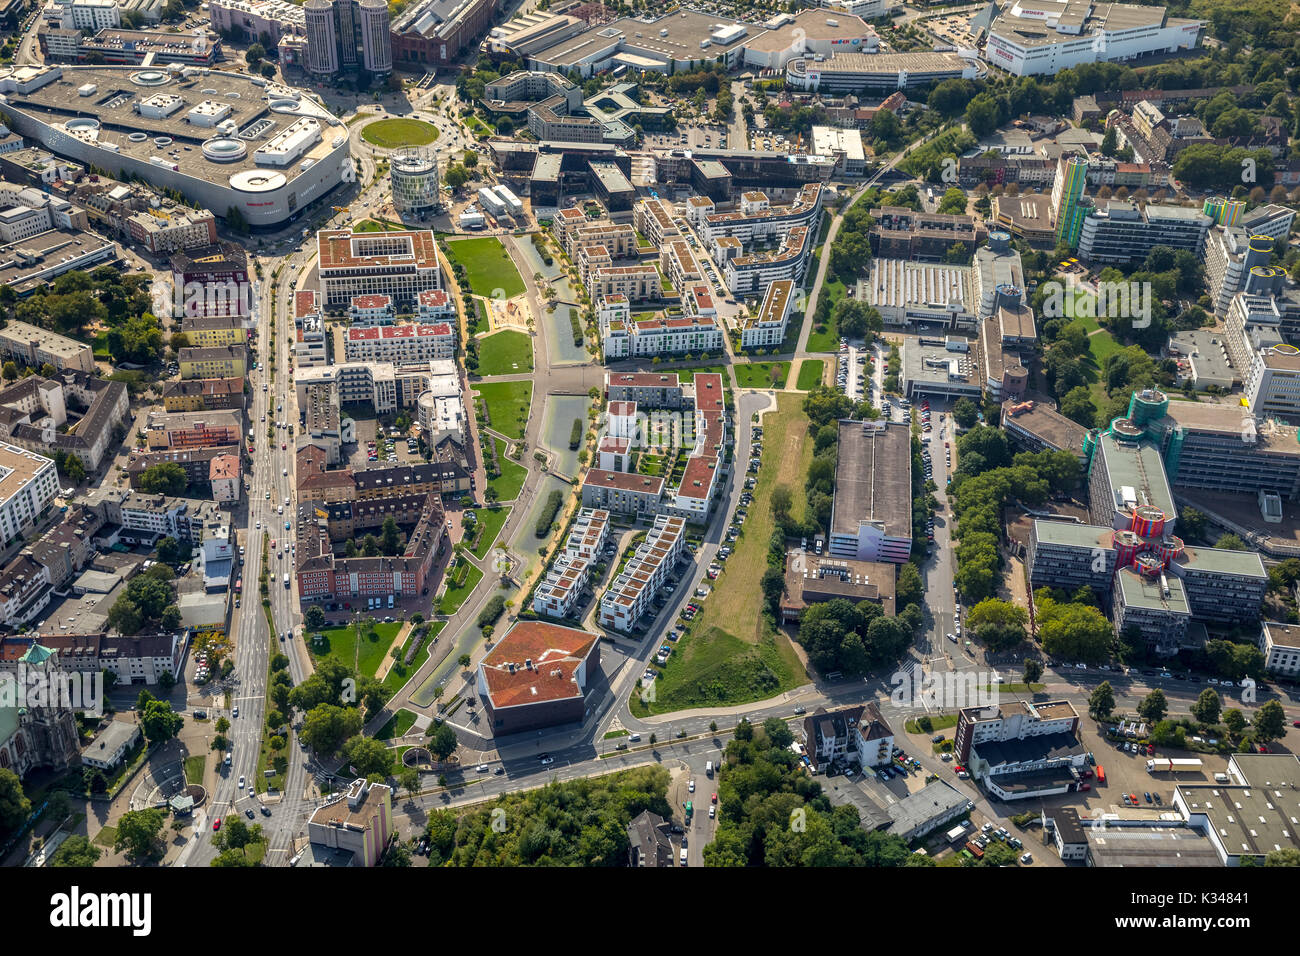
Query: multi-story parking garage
x=225, y=141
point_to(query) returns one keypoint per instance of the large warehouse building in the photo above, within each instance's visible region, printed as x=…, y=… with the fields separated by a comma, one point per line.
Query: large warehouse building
x=223, y=140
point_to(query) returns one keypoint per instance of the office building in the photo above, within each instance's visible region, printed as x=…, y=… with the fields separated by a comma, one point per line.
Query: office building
x=1280, y=645
x=398, y=264
x=353, y=827
x=28, y=485
x=1124, y=233
x=1068, y=205
x=33, y=346
x=537, y=676
x=921, y=296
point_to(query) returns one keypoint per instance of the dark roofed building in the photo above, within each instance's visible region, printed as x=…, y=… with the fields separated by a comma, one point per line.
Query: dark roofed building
x=648, y=841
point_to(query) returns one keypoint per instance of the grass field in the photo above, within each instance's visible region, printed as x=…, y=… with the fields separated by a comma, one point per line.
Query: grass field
x=829, y=340
x=511, y=479
x=688, y=374
x=810, y=374
x=397, y=725
x=507, y=405
x=733, y=654
x=194, y=767
x=371, y=225
x=491, y=520
x=759, y=374
x=359, y=652
x=400, y=673
x=505, y=353
x=456, y=596
x=394, y=133
x=487, y=266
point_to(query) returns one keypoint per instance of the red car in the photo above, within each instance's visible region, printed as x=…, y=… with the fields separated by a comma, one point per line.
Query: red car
x=1295, y=723
x=715, y=798
x=1134, y=798
x=283, y=445
x=216, y=824
x=1085, y=786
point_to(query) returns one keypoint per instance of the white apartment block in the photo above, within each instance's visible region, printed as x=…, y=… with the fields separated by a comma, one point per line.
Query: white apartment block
x=382, y=385
x=631, y=593
x=309, y=348
x=1280, y=645
x=767, y=328
x=618, y=239
x=371, y=310
x=745, y=274
x=169, y=230
x=558, y=593
x=757, y=219
x=400, y=344
x=624, y=338
x=638, y=283
x=92, y=15
x=28, y=486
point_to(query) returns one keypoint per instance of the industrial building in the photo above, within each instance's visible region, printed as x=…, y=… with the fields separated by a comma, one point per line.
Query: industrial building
x=876, y=72
x=920, y=296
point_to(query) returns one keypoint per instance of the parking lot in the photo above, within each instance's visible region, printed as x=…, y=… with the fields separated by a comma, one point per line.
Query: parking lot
x=377, y=446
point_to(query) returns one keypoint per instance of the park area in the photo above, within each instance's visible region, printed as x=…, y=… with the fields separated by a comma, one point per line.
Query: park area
x=810, y=374
x=761, y=374
x=396, y=133
x=488, y=267
x=505, y=353
x=732, y=654
x=507, y=406
x=359, y=647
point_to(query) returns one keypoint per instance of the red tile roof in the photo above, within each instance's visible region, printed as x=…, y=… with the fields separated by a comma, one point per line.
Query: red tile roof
x=555, y=652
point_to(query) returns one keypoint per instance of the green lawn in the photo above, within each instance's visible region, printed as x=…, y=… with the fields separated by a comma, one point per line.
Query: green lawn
x=732, y=654
x=491, y=520
x=505, y=353
x=456, y=596
x=487, y=266
x=397, y=725
x=688, y=374
x=194, y=767
x=810, y=374
x=400, y=673
x=507, y=406
x=361, y=653
x=507, y=484
x=759, y=374
x=394, y=133
x=829, y=340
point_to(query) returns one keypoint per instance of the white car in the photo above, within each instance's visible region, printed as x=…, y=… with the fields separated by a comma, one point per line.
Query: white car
x=1027, y=858
x=241, y=783
x=691, y=786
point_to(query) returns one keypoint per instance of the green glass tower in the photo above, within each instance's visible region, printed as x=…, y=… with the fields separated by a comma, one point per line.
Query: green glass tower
x=1067, y=199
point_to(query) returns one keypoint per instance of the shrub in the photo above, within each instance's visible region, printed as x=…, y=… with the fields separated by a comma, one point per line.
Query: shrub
x=575, y=434
x=547, y=516
x=491, y=611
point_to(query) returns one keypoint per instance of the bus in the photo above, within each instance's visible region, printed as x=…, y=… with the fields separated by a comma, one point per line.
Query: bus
x=1101, y=775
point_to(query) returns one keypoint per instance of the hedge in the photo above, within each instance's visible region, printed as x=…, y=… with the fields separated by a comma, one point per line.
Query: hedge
x=549, y=511
x=575, y=434
x=492, y=610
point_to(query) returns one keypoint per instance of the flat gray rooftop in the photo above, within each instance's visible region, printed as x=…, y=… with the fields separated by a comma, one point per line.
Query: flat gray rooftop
x=873, y=478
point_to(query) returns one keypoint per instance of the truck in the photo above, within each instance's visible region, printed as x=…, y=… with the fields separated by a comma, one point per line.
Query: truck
x=956, y=833
x=1174, y=765
x=286, y=580
x=974, y=850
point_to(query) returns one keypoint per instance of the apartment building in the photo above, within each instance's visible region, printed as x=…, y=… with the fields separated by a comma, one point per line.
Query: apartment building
x=397, y=264
x=621, y=492
x=1018, y=720
x=623, y=337
x=193, y=429
x=226, y=361
x=767, y=328
x=629, y=596
x=214, y=331
x=638, y=283
x=678, y=263
x=169, y=230
x=28, y=486
x=758, y=219
x=34, y=346
x=310, y=348
x=400, y=344
x=382, y=385
x=203, y=394
x=618, y=239
x=849, y=735
x=36, y=415
x=197, y=463
x=560, y=590
x=656, y=220
x=901, y=233
x=747, y=273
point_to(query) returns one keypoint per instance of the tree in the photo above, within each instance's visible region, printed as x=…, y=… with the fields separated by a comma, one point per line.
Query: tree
x=471, y=159
x=368, y=755
x=1033, y=670
x=1154, y=706
x=1287, y=856
x=254, y=53
x=1270, y=722
x=14, y=805
x=10, y=371
x=1230, y=542
x=1078, y=406
x=443, y=742
x=909, y=588
x=998, y=624
x=1101, y=702
x=1191, y=523
x=159, y=722
x=409, y=779
x=326, y=726
x=139, y=833
x=1074, y=632
x=1207, y=707
x=76, y=851
x=463, y=661
x=456, y=176
x=964, y=413
x=1235, y=721
x=164, y=478
x=781, y=501
x=171, y=551
x=390, y=538
x=982, y=114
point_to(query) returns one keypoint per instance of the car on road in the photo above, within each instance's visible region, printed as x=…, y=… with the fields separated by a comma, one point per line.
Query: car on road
x=216, y=824
x=1027, y=858
x=234, y=712
x=546, y=759
x=241, y=783
x=266, y=811
x=482, y=768
x=800, y=710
